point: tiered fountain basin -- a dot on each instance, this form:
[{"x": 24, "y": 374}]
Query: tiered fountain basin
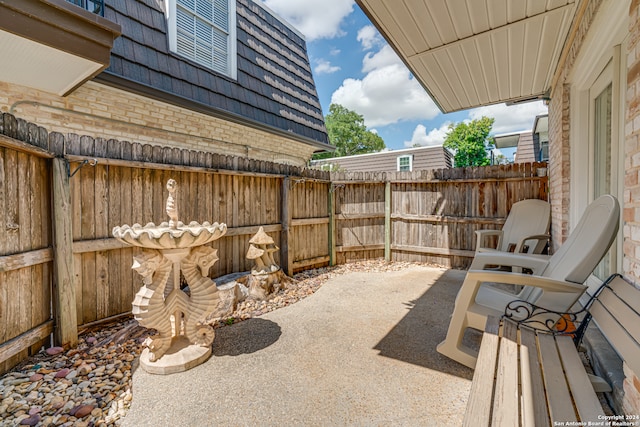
[{"x": 169, "y": 251}]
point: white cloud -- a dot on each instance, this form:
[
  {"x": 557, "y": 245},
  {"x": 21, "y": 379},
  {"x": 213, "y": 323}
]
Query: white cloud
[
  {"x": 325, "y": 67},
  {"x": 335, "y": 51},
  {"x": 385, "y": 96},
  {"x": 316, "y": 19},
  {"x": 434, "y": 137},
  {"x": 382, "y": 58},
  {"x": 512, "y": 118},
  {"x": 369, "y": 37}
]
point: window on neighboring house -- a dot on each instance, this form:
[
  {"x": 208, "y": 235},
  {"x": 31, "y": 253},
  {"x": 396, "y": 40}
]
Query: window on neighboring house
[
  {"x": 204, "y": 31},
  {"x": 544, "y": 151},
  {"x": 405, "y": 163}
]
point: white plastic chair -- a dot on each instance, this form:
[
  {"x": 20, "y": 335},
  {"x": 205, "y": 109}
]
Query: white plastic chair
[
  {"x": 556, "y": 283},
  {"x": 526, "y": 227}
]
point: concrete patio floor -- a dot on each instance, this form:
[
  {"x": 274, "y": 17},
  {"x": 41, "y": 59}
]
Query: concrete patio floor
[{"x": 360, "y": 351}]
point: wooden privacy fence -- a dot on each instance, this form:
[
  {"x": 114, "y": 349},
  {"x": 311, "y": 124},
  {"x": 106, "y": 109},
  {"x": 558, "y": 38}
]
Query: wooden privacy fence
[
  {"x": 61, "y": 195},
  {"x": 425, "y": 216}
]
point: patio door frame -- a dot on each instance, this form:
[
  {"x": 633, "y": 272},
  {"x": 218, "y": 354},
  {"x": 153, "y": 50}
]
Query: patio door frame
[{"x": 599, "y": 63}]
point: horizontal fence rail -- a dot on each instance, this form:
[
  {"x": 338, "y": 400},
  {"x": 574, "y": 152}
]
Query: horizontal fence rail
[{"x": 61, "y": 195}]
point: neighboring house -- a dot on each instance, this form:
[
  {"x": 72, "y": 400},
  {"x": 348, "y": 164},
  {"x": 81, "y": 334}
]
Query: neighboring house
[
  {"x": 583, "y": 58},
  {"x": 526, "y": 149},
  {"x": 215, "y": 75},
  {"x": 530, "y": 146},
  {"x": 407, "y": 160},
  {"x": 541, "y": 137}
]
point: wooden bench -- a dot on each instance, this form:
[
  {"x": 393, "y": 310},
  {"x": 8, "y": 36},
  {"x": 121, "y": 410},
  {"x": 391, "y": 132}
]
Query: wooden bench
[{"x": 529, "y": 375}]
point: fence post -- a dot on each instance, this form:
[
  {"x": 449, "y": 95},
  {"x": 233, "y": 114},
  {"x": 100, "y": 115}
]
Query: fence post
[
  {"x": 287, "y": 261},
  {"x": 332, "y": 224},
  {"x": 387, "y": 220},
  {"x": 66, "y": 327}
]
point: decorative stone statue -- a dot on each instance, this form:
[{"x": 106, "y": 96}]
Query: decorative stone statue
[
  {"x": 266, "y": 276},
  {"x": 169, "y": 250},
  {"x": 172, "y": 209}
]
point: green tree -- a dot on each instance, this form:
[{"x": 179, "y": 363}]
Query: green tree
[
  {"x": 500, "y": 159},
  {"x": 470, "y": 142},
  {"x": 348, "y": 133}
]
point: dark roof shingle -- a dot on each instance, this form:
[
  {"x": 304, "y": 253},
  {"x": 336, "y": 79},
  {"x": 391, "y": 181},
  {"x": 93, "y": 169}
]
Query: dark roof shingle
[{"x": 274, "y": 83}]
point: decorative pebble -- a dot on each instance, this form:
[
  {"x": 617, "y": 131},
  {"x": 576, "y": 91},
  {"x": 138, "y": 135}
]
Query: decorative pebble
[
  {"x": 36, "y": 377},
  {"x": 81, "y": 411},
  {"x": 84, "y": 369},
  {"x": 52, "y": 351},
  {"x": 62, "y": 373},
  {"x": 57, "y": 402},
  {"x": 31, "y": 421}
]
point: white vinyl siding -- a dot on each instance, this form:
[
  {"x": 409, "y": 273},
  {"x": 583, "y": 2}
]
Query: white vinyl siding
[{"x": 204, "y": 31}]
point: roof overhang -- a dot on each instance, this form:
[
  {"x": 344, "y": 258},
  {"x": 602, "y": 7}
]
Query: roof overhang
[
  {"x": 541, "y": 124},
  {"x": 470, "y": 53},
  {"x": 506, "y": 141},
  {"x": 53, "y": 45}
]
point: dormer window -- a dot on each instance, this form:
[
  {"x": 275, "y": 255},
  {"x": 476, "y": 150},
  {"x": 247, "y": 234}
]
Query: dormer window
[{"x": 204, "y": 31}]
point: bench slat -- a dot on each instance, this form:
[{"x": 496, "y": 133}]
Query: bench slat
[
  {"x": 534, "y": 404},
  {"x": 585, "y": 399},
  {"x": 617, "y": 307},
  {"x": 506, "y": 401},
  {"x": 627, "y": 292},
  {"x": 478, "y": 411},
  {"x": 559, "y": 399},
  {"x": 626, "y": 347}
]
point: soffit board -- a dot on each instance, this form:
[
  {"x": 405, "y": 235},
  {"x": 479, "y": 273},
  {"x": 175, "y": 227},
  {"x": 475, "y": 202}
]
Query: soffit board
[{"x": 469, "y": 53}]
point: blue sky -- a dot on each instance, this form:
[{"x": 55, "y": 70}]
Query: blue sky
[{"x": 354, "y": 66}]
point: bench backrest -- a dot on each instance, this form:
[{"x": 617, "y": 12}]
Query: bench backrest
[{"x": 617, "y": 314}]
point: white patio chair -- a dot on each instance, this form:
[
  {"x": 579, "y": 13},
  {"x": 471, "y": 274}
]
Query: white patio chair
[
  {"x": 556, "y": 282},
  {"x": 525, "y": 229}
]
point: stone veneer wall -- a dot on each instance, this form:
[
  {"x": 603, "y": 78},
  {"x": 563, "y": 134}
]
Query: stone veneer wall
[
  {"x": 102, "y": 111},
  {"x": 631, "y": 201}
]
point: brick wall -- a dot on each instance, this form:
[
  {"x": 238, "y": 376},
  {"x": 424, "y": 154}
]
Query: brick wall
[
  {"x": 102, "y": 111},
  {"x": 560, "y": 131},
  {"x": 631, "y": 387},
  {"x": 559, "y": 164},
  {"x": 631, "y": 207},
  {"x": 632, "y": 152}
]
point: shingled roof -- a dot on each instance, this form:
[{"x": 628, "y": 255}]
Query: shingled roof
[{"x": 274, "y": 89}]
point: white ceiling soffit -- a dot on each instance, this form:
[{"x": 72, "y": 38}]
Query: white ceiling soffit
[
  {"x": 507, "y": 141},
  {"x": 469, "y": 53},
  {"x": 42, "y": 67}
]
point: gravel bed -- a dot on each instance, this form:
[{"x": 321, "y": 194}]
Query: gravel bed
[{"x": 90, "y": 385}]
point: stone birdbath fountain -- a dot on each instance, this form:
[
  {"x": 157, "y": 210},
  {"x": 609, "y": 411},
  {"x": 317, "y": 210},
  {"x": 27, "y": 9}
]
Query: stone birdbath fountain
[{"x": 170, "y": 251}]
